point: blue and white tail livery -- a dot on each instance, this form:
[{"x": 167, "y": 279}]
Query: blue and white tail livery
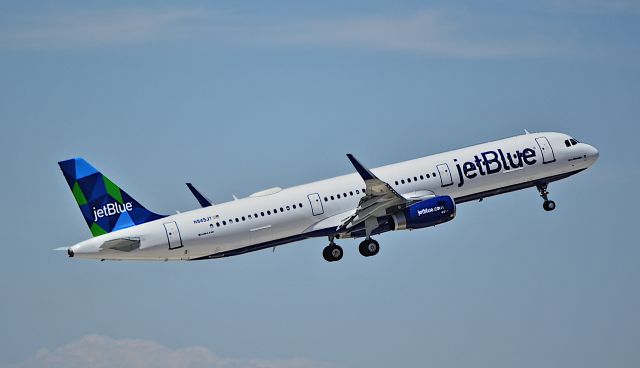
[{"x": 407, "y": 195}]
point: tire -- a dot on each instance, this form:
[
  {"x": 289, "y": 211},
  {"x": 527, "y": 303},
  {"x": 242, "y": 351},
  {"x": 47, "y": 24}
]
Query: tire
[
  {"x": 373, "y": 247},
  {"x": 369, "y": 248},
  {"x": 332, "y": 253},
  {"x": 549, "y": 205}
]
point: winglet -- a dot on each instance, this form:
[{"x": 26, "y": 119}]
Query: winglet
[
  {"x": 365, "y": 173},
  {"x": 204, "y": 202}
]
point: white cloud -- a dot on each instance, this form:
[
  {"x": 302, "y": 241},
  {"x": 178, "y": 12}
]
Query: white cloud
[
  {"x": 450, "y": 32},
  {"x": 94, "y": 351},
  {"x": 429, "y": 32},
  {"x": 629, "y": 7},
  {"x": 98, "y": 28}
]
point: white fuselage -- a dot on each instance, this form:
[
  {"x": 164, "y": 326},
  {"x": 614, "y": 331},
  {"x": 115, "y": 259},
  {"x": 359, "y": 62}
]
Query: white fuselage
[{"x": 276, "y": 217}]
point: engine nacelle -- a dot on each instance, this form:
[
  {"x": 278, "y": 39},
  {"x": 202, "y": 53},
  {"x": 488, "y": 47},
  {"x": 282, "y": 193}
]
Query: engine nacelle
[{"x": 430, "y": 212}]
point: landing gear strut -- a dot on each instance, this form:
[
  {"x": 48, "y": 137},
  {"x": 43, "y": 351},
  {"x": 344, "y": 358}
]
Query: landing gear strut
[
  {"x": 332, "y": 252},
  {"x": 547, "y": 205},
  {"x": 369, "y": 247}
]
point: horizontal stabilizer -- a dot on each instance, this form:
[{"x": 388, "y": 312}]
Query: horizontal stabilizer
[{"x": 122, "y": 244}]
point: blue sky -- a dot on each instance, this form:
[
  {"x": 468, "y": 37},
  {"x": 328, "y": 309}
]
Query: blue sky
[{"x": 238, "y": 97}]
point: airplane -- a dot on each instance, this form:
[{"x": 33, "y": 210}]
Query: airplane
[{"x": 408, "y": 195}]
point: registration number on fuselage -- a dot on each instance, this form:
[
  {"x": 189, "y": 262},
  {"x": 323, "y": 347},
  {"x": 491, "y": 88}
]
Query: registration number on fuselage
[{"x": 202, "y": 220}]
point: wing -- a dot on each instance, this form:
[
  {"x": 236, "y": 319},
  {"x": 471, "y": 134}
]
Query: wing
[
  {"x": 380, "y": 198},
  {"x": 204, "y": 201}
]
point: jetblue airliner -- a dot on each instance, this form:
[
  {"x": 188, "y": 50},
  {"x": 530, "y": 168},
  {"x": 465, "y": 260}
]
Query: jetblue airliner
[{"x": 408, "y": 195}]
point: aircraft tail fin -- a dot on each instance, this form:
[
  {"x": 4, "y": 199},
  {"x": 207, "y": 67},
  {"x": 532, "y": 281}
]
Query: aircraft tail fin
[{"x": 103, "y": 204}]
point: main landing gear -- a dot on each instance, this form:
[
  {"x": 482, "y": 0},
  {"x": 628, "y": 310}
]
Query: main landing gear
[
  {"x": 369, "y": 247},
  {"x": 334, "y": 252},
  {"x": 547, "y": 205}
]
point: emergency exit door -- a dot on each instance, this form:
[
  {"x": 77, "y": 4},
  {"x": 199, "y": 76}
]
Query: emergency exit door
[{"x": 316, "y": 204}]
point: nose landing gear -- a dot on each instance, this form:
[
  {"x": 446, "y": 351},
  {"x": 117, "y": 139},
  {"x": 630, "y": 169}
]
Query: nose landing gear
[{"x": 548, "y": 205}]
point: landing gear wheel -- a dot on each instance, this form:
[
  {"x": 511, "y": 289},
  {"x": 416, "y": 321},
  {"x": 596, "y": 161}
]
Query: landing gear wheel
[
  {"x": 549, "y": 205},
  {"x": 369, "y": 248},
  {"x": 332, "y": 253}
]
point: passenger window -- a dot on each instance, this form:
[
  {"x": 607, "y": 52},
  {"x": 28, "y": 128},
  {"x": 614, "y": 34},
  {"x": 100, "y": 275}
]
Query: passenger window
[
  {"x": 428, "y": 176},
  {"x": 224, "y": 223},
  {"x": 275, "y": 210},
  {"x": 402, "y": 181},
  {"x": 338, "y": 195},
  {"x": 434, "y": 174},
  {"x": 242, "y": 218},
  {"x": 237, "y": 220},
  {"x": 396, "y": 182},
  {"x": 288, "y": 208},
  {"x": 217, "y": 224},
  {"x": 325, "y": 199},
  {"x": 344, "y": 195},
  {"x": 300, "y": 204},
  {"x": 358, "y": 191},
  {"x": 415, "y": 178},
  {"x": 332, "y": 198},
  {"x": 408, "y": 180},
  {"x": 269, "y": 213},
  {"x": 421, "y": 177},
  {"x": 350, "y": 193},
  {"x": 262, "y": 214},
  {"x": 255, "y": 215},
  {"x": 281, "y": 209},
  {"x": 294, "y": 206}
]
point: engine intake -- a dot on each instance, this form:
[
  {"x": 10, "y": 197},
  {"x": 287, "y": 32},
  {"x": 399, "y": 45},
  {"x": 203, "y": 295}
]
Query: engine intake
[{"x": 430, "y": 212}]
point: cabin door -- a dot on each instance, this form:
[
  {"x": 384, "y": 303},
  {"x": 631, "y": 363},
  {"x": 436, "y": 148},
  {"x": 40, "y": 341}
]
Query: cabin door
[
  {"x": 316, "y": 204},
  {"x": 173, "y": 235},
  {"x": 445, "y": 175},
  {"x": 545, "y": 148}
]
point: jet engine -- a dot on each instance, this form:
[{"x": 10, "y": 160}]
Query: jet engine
[{"x": 430, "y": 212}]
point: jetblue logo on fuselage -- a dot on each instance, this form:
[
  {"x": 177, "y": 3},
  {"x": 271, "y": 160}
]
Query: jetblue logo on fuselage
[
  {"x": 491, "y": 162},
  {"x": 111, "y": 209}
]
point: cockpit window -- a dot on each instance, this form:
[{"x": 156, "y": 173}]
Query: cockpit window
[{"x": 570, "y": 142}]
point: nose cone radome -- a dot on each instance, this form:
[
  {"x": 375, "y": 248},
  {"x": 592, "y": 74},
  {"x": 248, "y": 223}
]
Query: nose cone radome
[{"x": 591, "y": 153}]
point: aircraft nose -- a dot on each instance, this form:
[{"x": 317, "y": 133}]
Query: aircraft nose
[{"x": 591, "y": 153}]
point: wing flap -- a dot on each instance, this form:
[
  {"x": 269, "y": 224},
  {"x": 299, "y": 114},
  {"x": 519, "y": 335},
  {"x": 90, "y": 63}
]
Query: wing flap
[{"x": 379, "y": 199}]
